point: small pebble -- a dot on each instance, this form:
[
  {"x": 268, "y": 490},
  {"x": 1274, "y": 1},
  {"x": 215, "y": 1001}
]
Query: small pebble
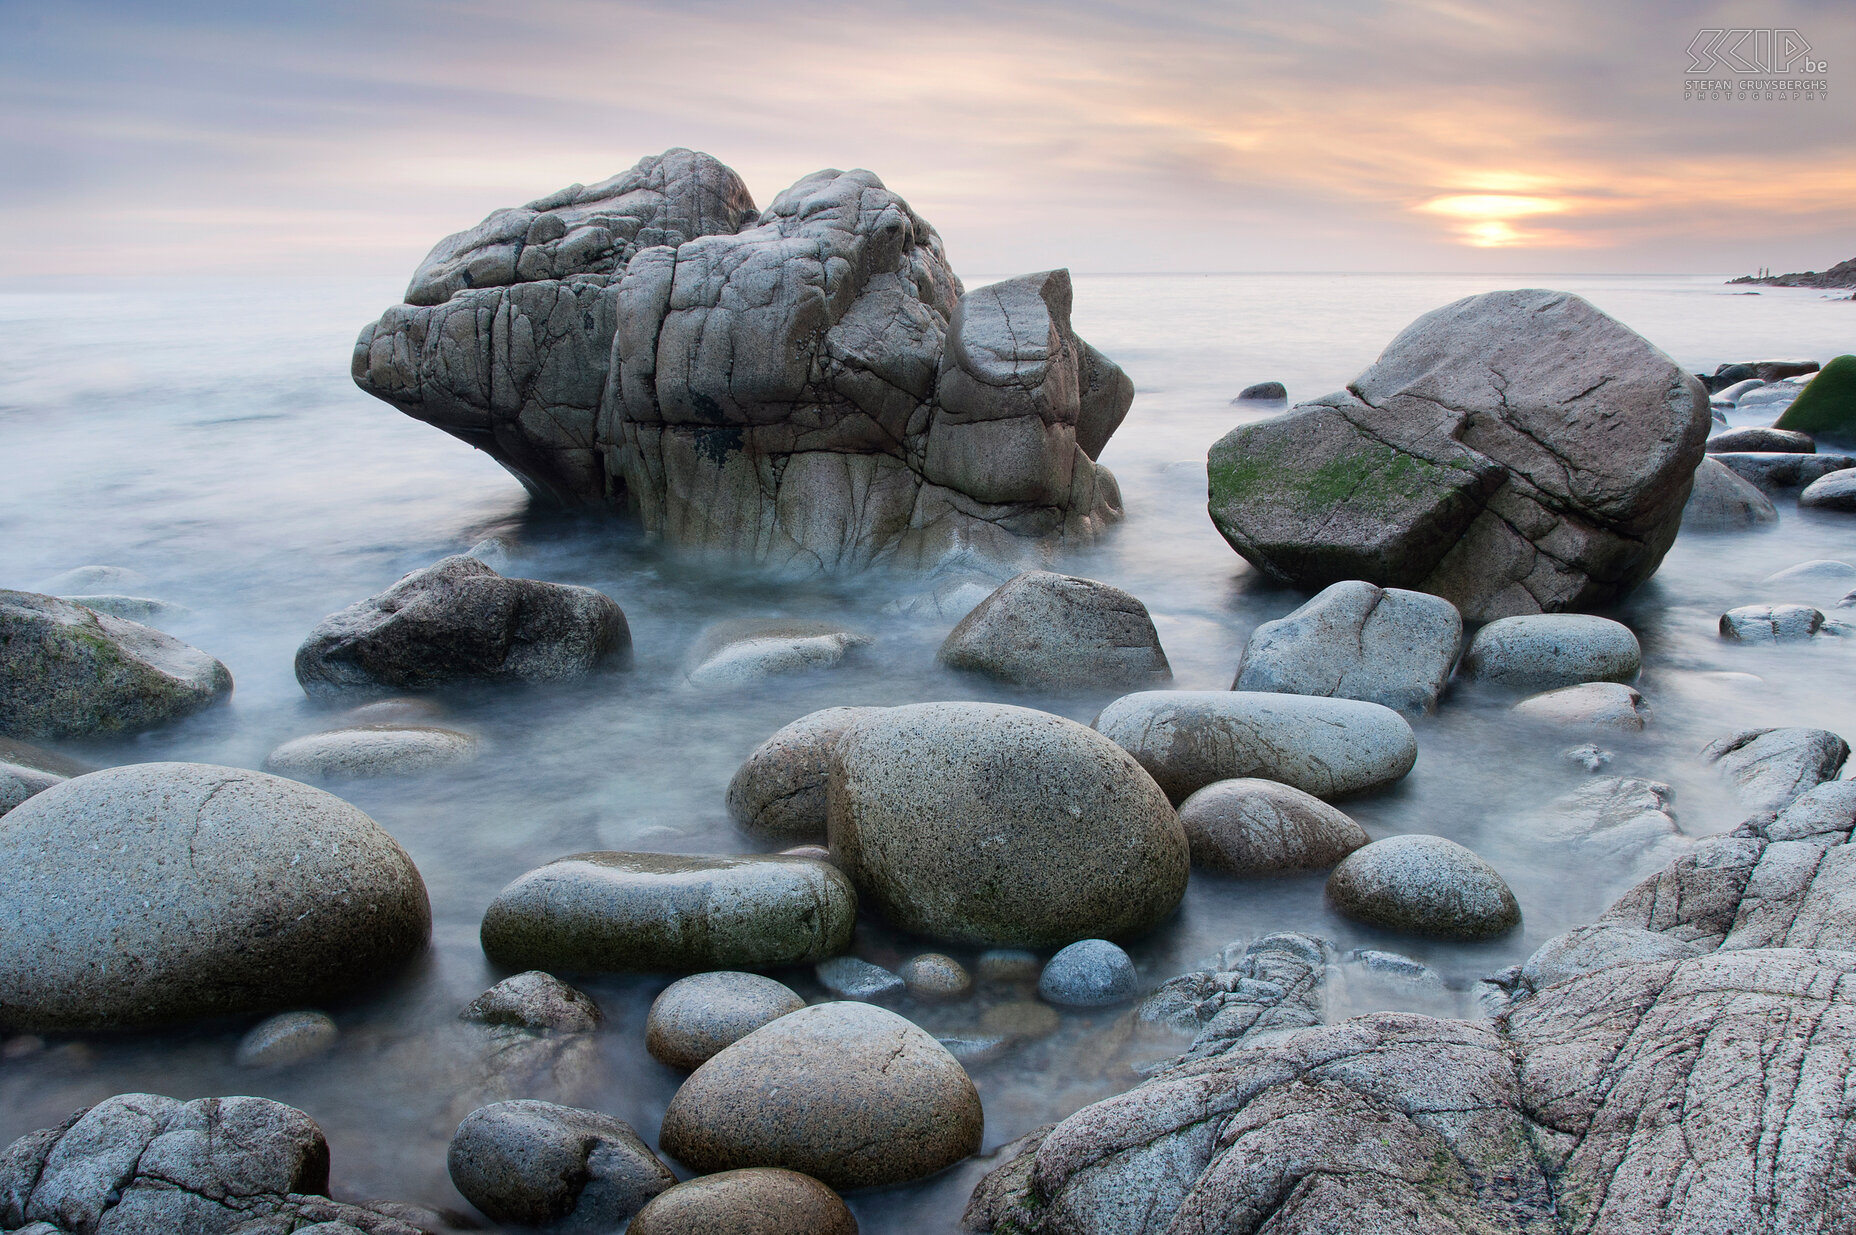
[
  {"x": 1091, "y": 973},
  {"x": 935, "y": 978},
  {"x": 287, "y": 1038},
  {"x": 850, "y": 978}
]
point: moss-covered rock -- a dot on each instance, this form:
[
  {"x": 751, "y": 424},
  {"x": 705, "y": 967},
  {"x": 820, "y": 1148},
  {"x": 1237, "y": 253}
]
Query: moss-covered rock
[{"x": 1827, "y": 406}]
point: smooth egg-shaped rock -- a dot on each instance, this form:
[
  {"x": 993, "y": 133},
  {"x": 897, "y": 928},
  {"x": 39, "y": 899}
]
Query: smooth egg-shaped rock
[
  {"x": 156, "y": 893},
  {"x": 760, "y": 1200},
  {"x": 371, "y": 750},
  {"x": 619, "y": 912},
  {"x": 1426, "y": 885},
  {"x": 697, "y": 1016},
  {"x": 1328, "y": 747},
  {"x": 1259, "y": 827},
  {"x": 847, "y": 1093},
  {"x": 1542, "y": 651}
]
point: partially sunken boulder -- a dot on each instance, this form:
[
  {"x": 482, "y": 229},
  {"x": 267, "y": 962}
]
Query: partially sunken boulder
[
  {"x": 1514, "y": 452},
  {"x": 1358, "y": 641},
  {"x": 456, "y": 621},
  {"x": 806, "y": 386},
  {"x": 1057, "y": 632}
]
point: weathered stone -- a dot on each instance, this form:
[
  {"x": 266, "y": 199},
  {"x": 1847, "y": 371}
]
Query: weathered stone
[
  {"x": 1358, "y": 641},
  {"x": 759, "y": 1200},
  {"x": 1328, "y": 747},
  {"x": 852, "y": 977},
  {"x": 287, "y": 1038},
  {"x": 1258, "y": 827},
  {"x": 845, "y": 1092},
  {"x": 1771, "y": 767},
  {"x": 371, "y": 750},
  {"x": 1426, "y": 885},
  {"x": 1723, "y": 502},
  {"x": 536, "y": 1163},
  {"x": 620, "y": 912},
  {"x": 66, "y": 671},
  {"x": 291, "y": 896},
  {"x": 1263, "y": 392},
  {"x": 697, "y": 1016},
  {"x": 805, "y": 387},
  {"x": 1773, "y": 624},
  {"x": 935, "y": 978},
  {"x": 1590, "y": 705},
  {"x": 1601, "y": 946},
  {"x": 1783, "y": 472},
  {"x": 1090, "y": 973},
  {"x": 741, "y": 653},
  {"x": 1623, "y": 821},
  {"x": 1514, "y": 452},
  {"x": 534, "y": 1000},
  {"x": 456, "y": 621},
  {"x": 1008, "y": 965},
  {"x": 1270, "y": 984},
  {"x": 19, "y": 782},
  {"x": 1546, "y": 651},
  {"x": 1757, "y": 440},
  {"x": 990, "y": 824},
  {"x": 1836, "y": 491},
  {"x": 1057, "y": 632},
  {"x": 779, "y": 791}
]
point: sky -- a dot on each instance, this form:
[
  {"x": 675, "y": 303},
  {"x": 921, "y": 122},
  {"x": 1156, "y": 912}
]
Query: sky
[{"x": 275, "y": 139}]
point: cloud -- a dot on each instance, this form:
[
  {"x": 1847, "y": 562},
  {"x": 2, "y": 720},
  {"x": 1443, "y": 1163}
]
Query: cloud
[{"x": 211, "y": 137}]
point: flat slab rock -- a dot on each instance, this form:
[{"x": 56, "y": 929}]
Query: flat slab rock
[{"x": 1678, "y": 1066}]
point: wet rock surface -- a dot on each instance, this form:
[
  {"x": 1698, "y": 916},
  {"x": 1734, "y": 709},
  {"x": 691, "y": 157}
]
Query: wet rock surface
[
  {"x": 1259, "y": 827},
  {"x": 1551, "y": 650},
  {"x": 731, "y": 655},
  {"x": 1722, "y": 501},
  {"x": 457, "y": 620},
  {"x": 1090, "y": 973},
  {"x": 624, "y": 912},
  {"x": 534, "y": 1000},
  {"x": 1514, "y": 452},
  {"x": 1426, "y": 885},
  {"x": 695, "y": 1017},
  {"x": 539, "y": 1163},
  {"x": 68, "y": 671},
  {"x": 1058, "y": 632},
  {"x": 806, "y": 386},
  {"x": 1189, "y": 739},
  {"x": 1358, "y": 641},
  {"x": 1774, "y": 624},
  {"x": 292, "y": 896},
  {"x": 1837, "y": 491}
]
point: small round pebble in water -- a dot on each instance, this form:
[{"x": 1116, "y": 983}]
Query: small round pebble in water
[
  {"x": 935, "y": 978},
  {"x": 697, "y": 1016},
  {"x": 1091, "y": 973},
  {"x": 1021, "y": 1019},
  {"x": 847, "y": 977},
  {"x": 761, "y": 1200},
  {"x": 289, "y": 1037},
  {"x": 1009, "y": 965}
]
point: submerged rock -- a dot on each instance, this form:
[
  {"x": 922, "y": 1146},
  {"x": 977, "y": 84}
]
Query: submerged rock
[
  {"x": 935, "y": 818},
  {"x": 1514, "y": 452},
  {"x": 1358, "y": 641},
  {"x": 536, "y": 1163},
  {"x": 1546, "y": 651},
  {"x": 844, "y": 1092},
  {"x": 1057, "y": 632},
  {"x": 760, "y": 1200},
  {"x": 744, "y": 652},
  {"x": 779, "y": 791},
  {"x": 144, "y": 609},
  {"x": 1773, "y": 624},
  {"x": 372, "y": 750},
  {"x": 1272, "y": 983},
  {"x": 627, "y": 912},
  {"x": 1626, "y": 821},
  {"x": 1263, "y": 392},
  {"x": 1590, "y": 705},
  {"x": 291, "y": 897},
  {"x": 1783, "y": 472},
  {"x": 1426, "y": 885},
  {"x": 1722, "y": 501},
  {"x": 934, "y": 977},
  {"x": 1328, "y": 747},
  {"x": 534, "y": 1000},
  {"x": 1258, "y": 827},
  {"x": 66, "y": 671},
  {"x": 694, "y": 1017},
  {"x": 1837, "y": 491},
  {"x": 1771, "y": 767},
  {"x": 456, "y": 621},
  {"x": 806, "y": 387},
  {"x": 1090, "y": 973},
  {"x": 290, "y": 1037}
]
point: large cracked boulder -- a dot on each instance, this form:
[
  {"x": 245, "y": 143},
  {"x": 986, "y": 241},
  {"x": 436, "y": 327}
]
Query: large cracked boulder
[
  {"x": 806, "y": 386},
  {"x": 1514, "y": 452}
]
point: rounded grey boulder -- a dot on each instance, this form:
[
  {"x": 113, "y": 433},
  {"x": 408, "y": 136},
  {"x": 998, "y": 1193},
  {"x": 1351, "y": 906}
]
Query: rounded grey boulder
[
  {"x": 619, "y": 912},
  {"x": 1358, "y": 641},
  {"x": 287, "y": 1038},
  {"x": 989, "y": 824},
  {"x": 371, "y": 750},
  {"x": 1548, "y": 650},
  {"x": 1772, "y": 623},
  {"x": 164, "y": 892},
  {"x": 847, "y": 1093},
  {"x": 1761, "y": 439},
  {"x": 1048, "y": 631},
  {"x": 534, "y": 1000},
  {"x": 697, "y": 1016},
  {"x": 1723, "y": 501},
  {"x": 1328, "y": 747},
  {"x": 760, "y": 1200},
  {"x": 66, "y": 670},
  {"x": 458, "y": 620},
  {"x": 1090, "y": 973},
  {"x": 1424, "y": 885},
  {"x": 1590, "y": 705},
  {"x": 1837, "y": 491},
  {"x": 779, "y": 791},
  {"x": 537, "y": 1163},
  {"x": 1246, "y": 826}
]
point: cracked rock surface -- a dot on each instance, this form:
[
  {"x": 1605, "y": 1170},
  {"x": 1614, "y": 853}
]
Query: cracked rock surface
[
  {"x": 1514, "y": 452},
  {"x": 807, "y": 386},
  {"x": 1682, "y": 1065}
]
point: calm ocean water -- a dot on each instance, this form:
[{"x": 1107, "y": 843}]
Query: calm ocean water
[{"x": 207, "y": 435}]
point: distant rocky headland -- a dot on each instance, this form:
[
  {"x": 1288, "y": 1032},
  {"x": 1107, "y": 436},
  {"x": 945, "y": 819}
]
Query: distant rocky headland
[{"x": 1843, "y": 274}]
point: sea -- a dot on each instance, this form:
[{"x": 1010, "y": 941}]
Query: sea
[{"x": 207, "y": 435}]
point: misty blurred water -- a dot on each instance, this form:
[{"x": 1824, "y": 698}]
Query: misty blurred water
[{"x": 207, "y": 435}]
